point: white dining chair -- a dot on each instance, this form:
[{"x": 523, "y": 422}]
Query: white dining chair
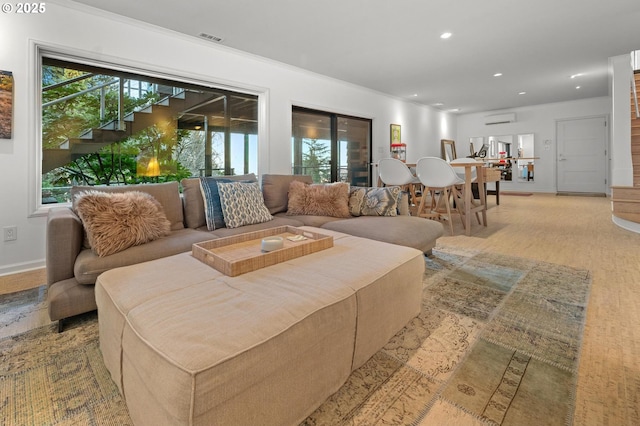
[
  {"x": 441, "y": 180},
  {"x": 393, "y": 172}
]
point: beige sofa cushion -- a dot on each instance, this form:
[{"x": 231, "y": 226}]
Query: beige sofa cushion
[
  {"x": 408, "y": 231},
  {"x": 275, "y": 189},
  {"x": 167, "y": 194},
  {"x": 274, "y": 223},
  {"x": 89, "y": 265},
  {"x": 194, "y": 214},
  {"x": 309, "y": 220}
]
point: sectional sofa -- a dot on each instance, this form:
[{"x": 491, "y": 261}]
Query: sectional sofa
[{"x": 73, "y": 265}]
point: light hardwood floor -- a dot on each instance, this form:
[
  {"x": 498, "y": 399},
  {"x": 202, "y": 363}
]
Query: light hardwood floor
[
  {"x": 578, "y": 231},
  {"x": 16, "y": 282}
]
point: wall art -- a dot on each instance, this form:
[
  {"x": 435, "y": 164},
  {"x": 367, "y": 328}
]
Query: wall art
[{"x": 6, "y": 104}]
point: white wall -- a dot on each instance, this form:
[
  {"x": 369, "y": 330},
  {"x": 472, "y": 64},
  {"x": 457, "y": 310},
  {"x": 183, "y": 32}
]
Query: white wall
[
  {"x": 539, "y": 120},
  {"x": 620, "y": 81},
  {"x": 109, "y": 38},
  {"x": 621, "y": 161}
]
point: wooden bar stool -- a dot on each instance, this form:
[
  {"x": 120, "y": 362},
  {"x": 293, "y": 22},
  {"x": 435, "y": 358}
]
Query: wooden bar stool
[{"x": 438, "y": 177}]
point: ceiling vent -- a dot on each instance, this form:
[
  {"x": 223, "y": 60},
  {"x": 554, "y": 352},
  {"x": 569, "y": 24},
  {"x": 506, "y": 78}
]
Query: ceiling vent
[
  {"x": 500, "y": 118},
  {"x": 211, "y": 37}
]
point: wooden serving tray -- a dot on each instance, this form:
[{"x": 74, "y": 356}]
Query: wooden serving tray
[{"x": 243, "y": 253}]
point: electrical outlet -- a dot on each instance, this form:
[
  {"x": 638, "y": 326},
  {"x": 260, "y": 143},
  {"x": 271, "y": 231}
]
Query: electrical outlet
[{"x": 10, "y": 233}]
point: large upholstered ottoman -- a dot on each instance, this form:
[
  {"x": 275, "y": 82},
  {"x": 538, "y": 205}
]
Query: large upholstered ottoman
[{"x": 188, "y": 345}]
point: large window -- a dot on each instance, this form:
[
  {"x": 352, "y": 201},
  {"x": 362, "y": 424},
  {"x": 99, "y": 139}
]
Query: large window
[
  {"x": 331, "y": 147},
  {"x": 102, "y": 126}
]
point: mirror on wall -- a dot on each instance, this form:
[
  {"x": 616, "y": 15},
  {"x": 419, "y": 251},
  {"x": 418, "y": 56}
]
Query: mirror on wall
[
  {"x": 477, "y": 147},
  {"x": 513, "y": 154},
  {"x": 500, "y": 146},
  {"x": 499, "y": 152},
  {"x": 525, "y": 157}
]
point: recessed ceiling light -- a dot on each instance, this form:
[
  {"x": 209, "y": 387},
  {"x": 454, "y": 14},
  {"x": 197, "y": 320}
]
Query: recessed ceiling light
[
  {"x": 498, "y": 74},
  {"x": 576, "y": 75},
  {"x": 522, "y": 93},
  {"x": 577, "y": 87},
  {"x": 445, "y": 35},
  {"x": 415, "y": 95},
  {"x": 438, "y": 104},
  {"x": 454, "y": 110}
]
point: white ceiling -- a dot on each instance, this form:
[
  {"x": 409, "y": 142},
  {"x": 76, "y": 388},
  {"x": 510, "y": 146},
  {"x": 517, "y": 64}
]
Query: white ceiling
[{"x": 393, "y": 46}]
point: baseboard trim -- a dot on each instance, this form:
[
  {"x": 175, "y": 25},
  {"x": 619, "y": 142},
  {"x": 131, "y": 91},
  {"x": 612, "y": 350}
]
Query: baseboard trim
[
  {"x": 581, "y": 194},
  {"x": 625, "y": 224},
  {"x": 18, "y": 268}
]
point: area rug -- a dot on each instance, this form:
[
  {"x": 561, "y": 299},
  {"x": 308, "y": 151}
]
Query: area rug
[{"x": 497, "y": 342}]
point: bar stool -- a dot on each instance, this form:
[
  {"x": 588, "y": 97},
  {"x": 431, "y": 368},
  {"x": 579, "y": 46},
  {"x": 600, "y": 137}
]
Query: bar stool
[
  {"x": 474, "y": 177},
  {"x": 394, "y": 172},
  {"x": 437, "y": 176}
]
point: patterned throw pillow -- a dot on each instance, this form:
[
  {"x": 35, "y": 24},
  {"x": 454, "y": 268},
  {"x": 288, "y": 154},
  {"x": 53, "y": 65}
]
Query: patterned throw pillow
[
  {"x": 116, "y": 221},
  {"x": 374, "y": 201},
  {"x": 242, "y": 204},
  {"x": 194, "y": 200},
  {"x": 211, "y": 197}
]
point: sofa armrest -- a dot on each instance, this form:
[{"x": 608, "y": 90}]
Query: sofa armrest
[{"x": 64, "y": 242}]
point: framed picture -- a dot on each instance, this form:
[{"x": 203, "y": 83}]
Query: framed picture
[
  {"x": 448, "y": 149},
  {"x": 6, "y": 104},
  {"x": 396, "y": 136}
]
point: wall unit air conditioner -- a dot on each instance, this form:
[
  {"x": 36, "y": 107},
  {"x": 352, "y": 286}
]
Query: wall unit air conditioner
[{"x": 509, "y": 117}]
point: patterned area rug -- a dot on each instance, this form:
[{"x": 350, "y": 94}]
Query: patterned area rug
[{"x": 497, "y": 342}]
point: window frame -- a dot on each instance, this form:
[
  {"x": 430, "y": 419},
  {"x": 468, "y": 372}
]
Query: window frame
[
  {"x": 39, "y": 49},
  {"x": 334, "y": 140}
]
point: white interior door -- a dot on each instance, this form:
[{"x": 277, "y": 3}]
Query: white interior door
[{"x": 582, "y": 155}]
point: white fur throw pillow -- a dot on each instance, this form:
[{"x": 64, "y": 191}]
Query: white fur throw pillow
[{"x": 116, "y": 221}]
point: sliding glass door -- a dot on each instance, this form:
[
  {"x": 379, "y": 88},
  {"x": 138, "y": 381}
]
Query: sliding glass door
[{"x": 331, "y": 147}]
